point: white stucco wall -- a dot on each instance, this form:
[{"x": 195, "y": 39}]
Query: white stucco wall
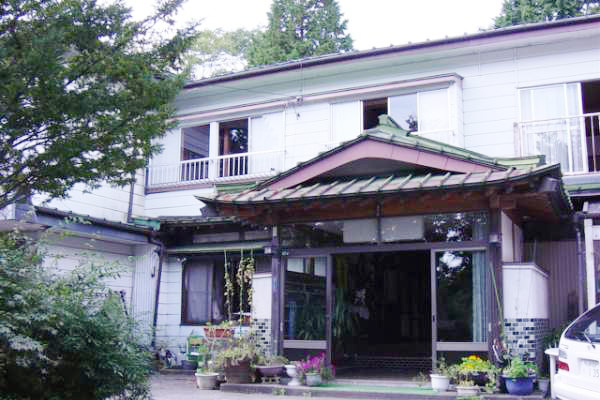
[
  {"x": 525, "y": 291},
  {"x": 261, "y": 296}
]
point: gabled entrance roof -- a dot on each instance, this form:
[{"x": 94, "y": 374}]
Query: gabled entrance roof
[{"x": 401, "y": 150}]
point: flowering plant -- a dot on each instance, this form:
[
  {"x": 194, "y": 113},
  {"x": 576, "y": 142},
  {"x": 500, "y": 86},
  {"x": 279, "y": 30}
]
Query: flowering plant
[
  {"x": 315, "y": 365},
  {"x": 472, "y": 366}
]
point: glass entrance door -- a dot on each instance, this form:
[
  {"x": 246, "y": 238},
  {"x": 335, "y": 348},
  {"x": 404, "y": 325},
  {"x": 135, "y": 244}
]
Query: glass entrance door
[
  {"x": 306, "y": 316},
  {"x": 460, "y": 309}
]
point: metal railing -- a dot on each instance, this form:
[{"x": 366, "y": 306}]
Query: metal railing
[
  {"x": 227, "y": 168},
  {"x": 572, "y": 141}
]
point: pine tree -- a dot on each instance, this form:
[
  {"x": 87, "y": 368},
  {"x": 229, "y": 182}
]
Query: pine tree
[
  {"x": 298, "y": 29},
  {"x": 516, "y": 12}
]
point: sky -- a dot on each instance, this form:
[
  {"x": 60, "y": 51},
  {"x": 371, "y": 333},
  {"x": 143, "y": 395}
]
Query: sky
[{"x": 371, "y": 23}]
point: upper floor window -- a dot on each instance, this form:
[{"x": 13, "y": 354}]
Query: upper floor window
[
  {"x": 423, "y": 111},
  {"x": 195, "y": 142},
  {"x": 561, "y": 123},
  {"x": 233, "y": 137}
]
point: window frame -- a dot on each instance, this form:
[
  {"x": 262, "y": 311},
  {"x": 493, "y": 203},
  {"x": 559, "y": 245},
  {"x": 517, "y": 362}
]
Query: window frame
[{"x": 184, "y": 302}]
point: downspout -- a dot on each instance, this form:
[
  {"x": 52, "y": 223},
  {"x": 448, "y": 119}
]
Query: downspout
[
  {"x": 580, "y": 263},
  {"x": 130, "y": 207},
  {"x": 161, "y": 256}
]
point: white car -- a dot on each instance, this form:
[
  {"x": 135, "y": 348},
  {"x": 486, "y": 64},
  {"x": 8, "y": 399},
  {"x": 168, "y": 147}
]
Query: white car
[{"x": 578, "y": 369}]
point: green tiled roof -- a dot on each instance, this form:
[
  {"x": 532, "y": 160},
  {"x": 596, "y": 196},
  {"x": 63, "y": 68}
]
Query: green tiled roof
[
  {"x": 389, "y": 131},
  {"x": 383, "y": 185}
]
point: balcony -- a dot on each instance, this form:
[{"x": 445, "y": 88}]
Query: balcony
[
  {"x": 573, "y": 141},
  {"x": 228, "y": 168}
]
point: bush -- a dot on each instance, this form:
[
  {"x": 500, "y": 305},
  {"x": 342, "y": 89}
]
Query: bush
[{"x": 64, "y": 336}]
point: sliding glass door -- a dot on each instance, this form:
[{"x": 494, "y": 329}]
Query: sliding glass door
[
  {"x": 306, "y": 326},
  {"x": 460, "y": 301}
]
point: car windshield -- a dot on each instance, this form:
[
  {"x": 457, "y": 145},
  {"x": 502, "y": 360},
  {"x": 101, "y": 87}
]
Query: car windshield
[{"x": 586, "y": 328}]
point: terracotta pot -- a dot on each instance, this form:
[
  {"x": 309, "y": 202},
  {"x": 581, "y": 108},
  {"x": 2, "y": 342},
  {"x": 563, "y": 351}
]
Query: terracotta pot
[
  {"x": 218, "y": 332},
  {"x": 239, "y": 373}
]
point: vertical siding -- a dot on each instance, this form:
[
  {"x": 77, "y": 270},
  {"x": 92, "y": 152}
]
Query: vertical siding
[
  {"x": 144, "y": 286},
  {"x": 560, "y": 260},
  {"x": 66, "y": 255}
]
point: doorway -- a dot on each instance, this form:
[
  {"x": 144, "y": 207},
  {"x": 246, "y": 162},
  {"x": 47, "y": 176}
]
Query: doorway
[{"x": 381, "y": 316}]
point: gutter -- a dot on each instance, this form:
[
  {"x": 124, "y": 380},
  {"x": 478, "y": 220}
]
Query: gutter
[{"x": 334, "y": 58}]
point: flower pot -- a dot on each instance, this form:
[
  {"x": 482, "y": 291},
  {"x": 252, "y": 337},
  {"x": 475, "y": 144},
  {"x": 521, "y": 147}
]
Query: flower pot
[
  {"x": 439, "y": 383},
  {"x": 206, "y": 380},
  {"x": 269, "y": 370},
  {"x": 519, "y": 386},
  {"x": 313, "y": 379},
  {"x": 543, "y": 385},
  {"x": 290, "y": 369},
  {"x": 239, "y": 373},
  {"x": 211, "y": 332},
  {"x": 467, "y": 390},
  {"x": 478, "y": 378}
]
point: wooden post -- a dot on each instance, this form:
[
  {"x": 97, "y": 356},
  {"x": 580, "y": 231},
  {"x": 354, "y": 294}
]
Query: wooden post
[{"x": 329, "y": 309}]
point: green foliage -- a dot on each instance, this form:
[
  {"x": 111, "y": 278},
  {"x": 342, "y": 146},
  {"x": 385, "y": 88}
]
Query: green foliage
[
  {"x": 238, "y": 350},
  {"x": 519, "y": 369},
  {"x": 298, "y": 29},
  {"x": 83, "y": 91},
  {"x": 217, "y": 52},
  {"x": 64, "y": 337},
  {"x": 516, "y": 12}
]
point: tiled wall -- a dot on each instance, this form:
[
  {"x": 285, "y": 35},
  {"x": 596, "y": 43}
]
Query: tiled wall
[
  {"x": 525, "y": 335},
  {"x": 262, "y": 329}
]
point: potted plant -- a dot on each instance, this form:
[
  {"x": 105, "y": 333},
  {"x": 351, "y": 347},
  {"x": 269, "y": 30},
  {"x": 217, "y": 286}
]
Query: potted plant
[
  {"x": 236, "y": 359},
  {"x": 313, "y": 370},
  {"x": 440, "y": 377},
  {"x": 543, "y": 384},
  {"x": 220, "y": 331},
  {"x": 475, "y": 369},
  {"x": 206, "y": 377},
  {"x": 519, "y": 377},
  {"x": 270, "y": 366}
]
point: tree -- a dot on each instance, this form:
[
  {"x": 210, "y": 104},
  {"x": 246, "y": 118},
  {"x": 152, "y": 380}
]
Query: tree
[
  {"x": 65, "y": 336},
  {"x": 83, "y": 91},
  {"x": 298, "y": 29},
  {"x": 516, "y": 12},
  {"x": 218, "y": 52}
]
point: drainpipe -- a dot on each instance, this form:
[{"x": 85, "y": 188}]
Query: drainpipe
[
  {"x": 161, "y": 256},
  {"x": 580, "y": 265},
  {"x": 130, "y": 207}
]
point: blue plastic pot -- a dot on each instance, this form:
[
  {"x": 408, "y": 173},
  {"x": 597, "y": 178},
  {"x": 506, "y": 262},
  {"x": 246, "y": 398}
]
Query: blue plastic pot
[{"x": 519, "y": 386}]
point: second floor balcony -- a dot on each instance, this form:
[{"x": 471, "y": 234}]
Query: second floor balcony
[
  {"x": 572, "y": 141},
  {"x": 227, "y": 168}
]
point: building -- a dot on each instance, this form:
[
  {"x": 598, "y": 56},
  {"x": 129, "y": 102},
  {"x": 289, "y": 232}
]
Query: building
[{"x": 437, "y": 192}]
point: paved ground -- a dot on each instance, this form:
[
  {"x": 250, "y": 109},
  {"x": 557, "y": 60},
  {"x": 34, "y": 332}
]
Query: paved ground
[{"x": 184, "y": 388}]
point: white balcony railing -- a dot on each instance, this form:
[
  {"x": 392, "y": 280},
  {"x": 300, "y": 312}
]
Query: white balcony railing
[
  {"x": 571, "y": 141},
  {"x": 228, "y": 168}
]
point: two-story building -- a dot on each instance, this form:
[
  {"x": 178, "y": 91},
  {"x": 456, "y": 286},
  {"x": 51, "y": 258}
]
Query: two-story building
[{"x": 435, "y": 193}]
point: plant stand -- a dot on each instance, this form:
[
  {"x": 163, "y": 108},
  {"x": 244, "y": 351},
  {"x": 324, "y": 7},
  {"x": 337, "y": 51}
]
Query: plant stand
[{"x": 290, "y": 369}]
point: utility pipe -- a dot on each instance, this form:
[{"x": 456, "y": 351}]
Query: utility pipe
[{"x": 161, "y": 255}]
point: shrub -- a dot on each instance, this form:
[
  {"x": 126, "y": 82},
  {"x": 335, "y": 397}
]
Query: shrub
[{"x": 64, "y": 336}]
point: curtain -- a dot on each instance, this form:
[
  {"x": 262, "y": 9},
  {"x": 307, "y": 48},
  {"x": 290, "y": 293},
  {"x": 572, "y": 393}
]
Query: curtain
[
  {"x": 197, "y": 289},
  {"x": 479, "y": 278}
]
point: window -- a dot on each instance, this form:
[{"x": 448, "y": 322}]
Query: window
[
  {"x": 233, "y": 139},
  {"x": 424, "y": 111},
  {"x": 194, "y": 146},
  {"x": 203, "y": 288},
  {"x": 202, "y": 299},
  {"x": 561, "y": 122},
  {"x": 587, "y": 327}
]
